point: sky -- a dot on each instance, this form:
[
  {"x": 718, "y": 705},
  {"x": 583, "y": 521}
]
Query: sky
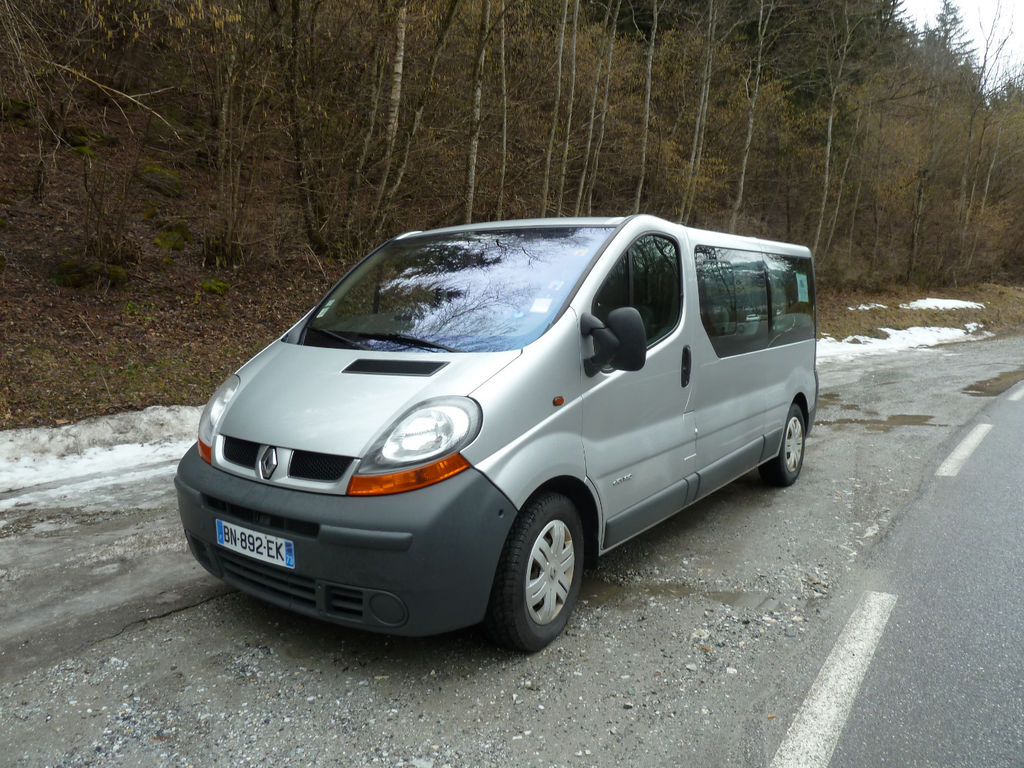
[
  {"x": 978, "y": 17},
  {"x": 128, "y": 460}
]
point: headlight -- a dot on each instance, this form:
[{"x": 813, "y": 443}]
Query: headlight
[
  {"x": 212, "y": 414},
  {"x": 421, "y": 448}
]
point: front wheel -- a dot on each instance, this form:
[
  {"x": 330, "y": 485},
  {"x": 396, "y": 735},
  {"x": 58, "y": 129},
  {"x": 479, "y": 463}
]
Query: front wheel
[
  {"x": 538, "y": 576},
  {"x": 784, "y": 469}
]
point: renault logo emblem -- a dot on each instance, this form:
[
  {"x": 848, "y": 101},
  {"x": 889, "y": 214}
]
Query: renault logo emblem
[{"x": 268, "y": 462}]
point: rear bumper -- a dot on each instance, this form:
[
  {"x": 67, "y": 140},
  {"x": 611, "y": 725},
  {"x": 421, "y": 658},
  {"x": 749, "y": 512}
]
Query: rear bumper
[{"x": 417, "y": 563}]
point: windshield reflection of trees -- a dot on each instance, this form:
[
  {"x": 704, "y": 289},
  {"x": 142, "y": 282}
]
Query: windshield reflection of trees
[{"x": 479, "y": 283}]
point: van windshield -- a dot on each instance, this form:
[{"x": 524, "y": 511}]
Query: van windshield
[{"x": 471, "y": 291}]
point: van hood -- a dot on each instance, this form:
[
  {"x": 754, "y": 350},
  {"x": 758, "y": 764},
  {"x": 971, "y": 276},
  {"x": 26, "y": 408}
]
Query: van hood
[{"x": 337, "y": 401}]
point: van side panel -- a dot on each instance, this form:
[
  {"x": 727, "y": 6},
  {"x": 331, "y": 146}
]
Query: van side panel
[
  {"x": 755, "y": 351},
  {"x": 650, "y": 512},
  {"x": 794, "y": 375},
  {"x": 526, "y": 439},
  {"x": 729, "y": 467},
  {"x": 638, "y": 430},
  {"x": 729, "y": 401}
]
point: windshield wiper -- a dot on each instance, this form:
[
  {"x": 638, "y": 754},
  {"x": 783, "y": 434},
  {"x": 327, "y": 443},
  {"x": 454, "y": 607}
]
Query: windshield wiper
[
  {"x": 345, "y": 339},
  {"x": 401, "y": 338}
]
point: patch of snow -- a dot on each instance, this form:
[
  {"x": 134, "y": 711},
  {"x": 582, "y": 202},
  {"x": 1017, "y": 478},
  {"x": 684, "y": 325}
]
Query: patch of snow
[
  {"x": 895, "y": 341},
  {"x": 863, "y": 307},
  {"x": 942, "y": 304},
  {"x": 123, "y": 443}
]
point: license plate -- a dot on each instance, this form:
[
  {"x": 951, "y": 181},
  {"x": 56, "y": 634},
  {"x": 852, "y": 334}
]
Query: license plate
[{"x": 259, "y": 546}]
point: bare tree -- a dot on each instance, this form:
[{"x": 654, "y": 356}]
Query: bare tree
[
  {"x": 381, "y": 211},
  {"x": 752, "y": 90},
  {"x": 838, "y": 27},
  {"x": 608, "y": 39},
  {"x": 504, "y": 116},
  {"x": 475, "y": 119},
  {"x": 693, "y": 170},
  {"x": 373, "y": 103},
  {"x": 569, "y": 107},
  {"x": 971, "y": 173},
  {"x": 645, "y": 128},
  {"x": 312, "y": 216},
  {"x": 603, "y": 117},
  {"x": 394, "y": 103},
  {"x": 555, "y": 113}
]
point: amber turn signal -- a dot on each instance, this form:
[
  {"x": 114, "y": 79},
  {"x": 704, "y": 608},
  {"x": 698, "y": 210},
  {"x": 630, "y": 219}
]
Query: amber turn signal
[
  {"x": 408, "y": 480},
  {"x": 205, "y": 452}
]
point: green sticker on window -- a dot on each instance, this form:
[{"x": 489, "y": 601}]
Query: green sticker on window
[{"x": 801, "y": 287}]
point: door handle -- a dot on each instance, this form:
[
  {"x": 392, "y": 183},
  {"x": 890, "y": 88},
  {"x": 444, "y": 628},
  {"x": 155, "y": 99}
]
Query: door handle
[{"x": 686, "y": 366}]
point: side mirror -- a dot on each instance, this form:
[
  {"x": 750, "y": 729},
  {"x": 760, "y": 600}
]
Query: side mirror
[{"x": 620, "y": 343}]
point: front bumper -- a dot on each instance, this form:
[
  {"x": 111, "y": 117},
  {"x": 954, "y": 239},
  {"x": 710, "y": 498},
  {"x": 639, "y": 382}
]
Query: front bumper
[{"x": 417, "y": 563}]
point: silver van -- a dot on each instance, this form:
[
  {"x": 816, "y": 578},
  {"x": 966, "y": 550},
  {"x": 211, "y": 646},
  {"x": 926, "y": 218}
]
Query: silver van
[{"x": 473, "y": 414}]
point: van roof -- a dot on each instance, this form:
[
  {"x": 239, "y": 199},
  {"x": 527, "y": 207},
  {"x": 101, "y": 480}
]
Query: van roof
[
  {"x": 696, "y": 236},
  {"x": 575, "y": 221}
]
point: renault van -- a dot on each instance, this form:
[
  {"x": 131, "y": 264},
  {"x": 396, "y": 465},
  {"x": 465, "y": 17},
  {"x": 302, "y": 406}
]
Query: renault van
[{"x": 472, "y": 415}]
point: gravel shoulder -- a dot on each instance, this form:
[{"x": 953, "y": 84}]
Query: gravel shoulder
[{"x": 693, "y": 644}]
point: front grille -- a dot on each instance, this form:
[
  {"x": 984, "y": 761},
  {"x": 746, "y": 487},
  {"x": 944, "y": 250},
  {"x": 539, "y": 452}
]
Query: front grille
[
  {"x": 265, "y": 519},
  {"x": 299, "y": 591},
  {"x": 324, "y": 467},
  {"x": 305, "y": 465},
  {"x": 243, "y": 452}
]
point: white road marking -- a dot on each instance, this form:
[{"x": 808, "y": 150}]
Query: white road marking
[
  {"x": 955, "y": 461},
  {"x": 815, "y": 731},
  {"x": 1017, "y": 394}
]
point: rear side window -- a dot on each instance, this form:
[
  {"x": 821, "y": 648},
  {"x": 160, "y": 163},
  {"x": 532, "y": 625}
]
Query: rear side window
[
  {"x": 792, "y": 298},
  {"x": 645, "y": 277},
  {"x": 733, "y": 293}
]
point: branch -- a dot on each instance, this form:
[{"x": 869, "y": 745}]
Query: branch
[{"x": 110, "y": 91}]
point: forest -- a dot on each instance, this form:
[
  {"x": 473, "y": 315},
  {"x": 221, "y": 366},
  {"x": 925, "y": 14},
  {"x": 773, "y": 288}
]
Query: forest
[{"x": 250, "y": 128}]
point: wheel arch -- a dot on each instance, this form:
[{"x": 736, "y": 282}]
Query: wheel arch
[
  {"x": 578, "y": 493},
  {"x": 801, "y": 401}
]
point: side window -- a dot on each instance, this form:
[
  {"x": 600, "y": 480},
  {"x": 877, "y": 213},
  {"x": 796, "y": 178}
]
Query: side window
[
  {"x": 733, "y": 295},
  {"x": 716, "y": 286},
  {"x": 645, "y": 277},
  {"x": 792, "y": 298}
]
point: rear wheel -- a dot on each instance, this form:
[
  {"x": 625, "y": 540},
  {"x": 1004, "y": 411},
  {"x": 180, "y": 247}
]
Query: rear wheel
[
  {"x": 539, "y": 575},
  {"x": 784, "y": 469}
]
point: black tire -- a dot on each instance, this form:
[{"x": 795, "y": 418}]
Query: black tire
[
  {"x": 784, "y": 469},
  {"x": 549, "y": 524}
]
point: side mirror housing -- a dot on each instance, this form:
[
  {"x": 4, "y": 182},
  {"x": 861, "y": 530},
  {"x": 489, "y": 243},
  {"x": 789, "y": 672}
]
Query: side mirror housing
[{"x": 620, "y": 343}]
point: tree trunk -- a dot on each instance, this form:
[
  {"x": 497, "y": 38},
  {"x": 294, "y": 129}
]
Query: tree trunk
[
  {"x": 312, "y": 217},
  {"x": 475, "y": 120},
  {"x": 984, "y": 201},
  {"x": 546, "y": 185},
  {"x": 837, "y": 73},
  {"x": 421, "y": 103},
  {"x": 504, "y": 119},
  {"x": 394, "y": 103},
  {"x": 569, "y": 108},
  {"x": 364, "y": 153},
  {"x": 645, "y": 124},
  {"x": 915, "y": 236},
  {"x": 594, "y": 95},
  {"x": 700, "y": 124},
  {"x": 603, "y": 119},
  {"x": 753, "y": 89}
]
